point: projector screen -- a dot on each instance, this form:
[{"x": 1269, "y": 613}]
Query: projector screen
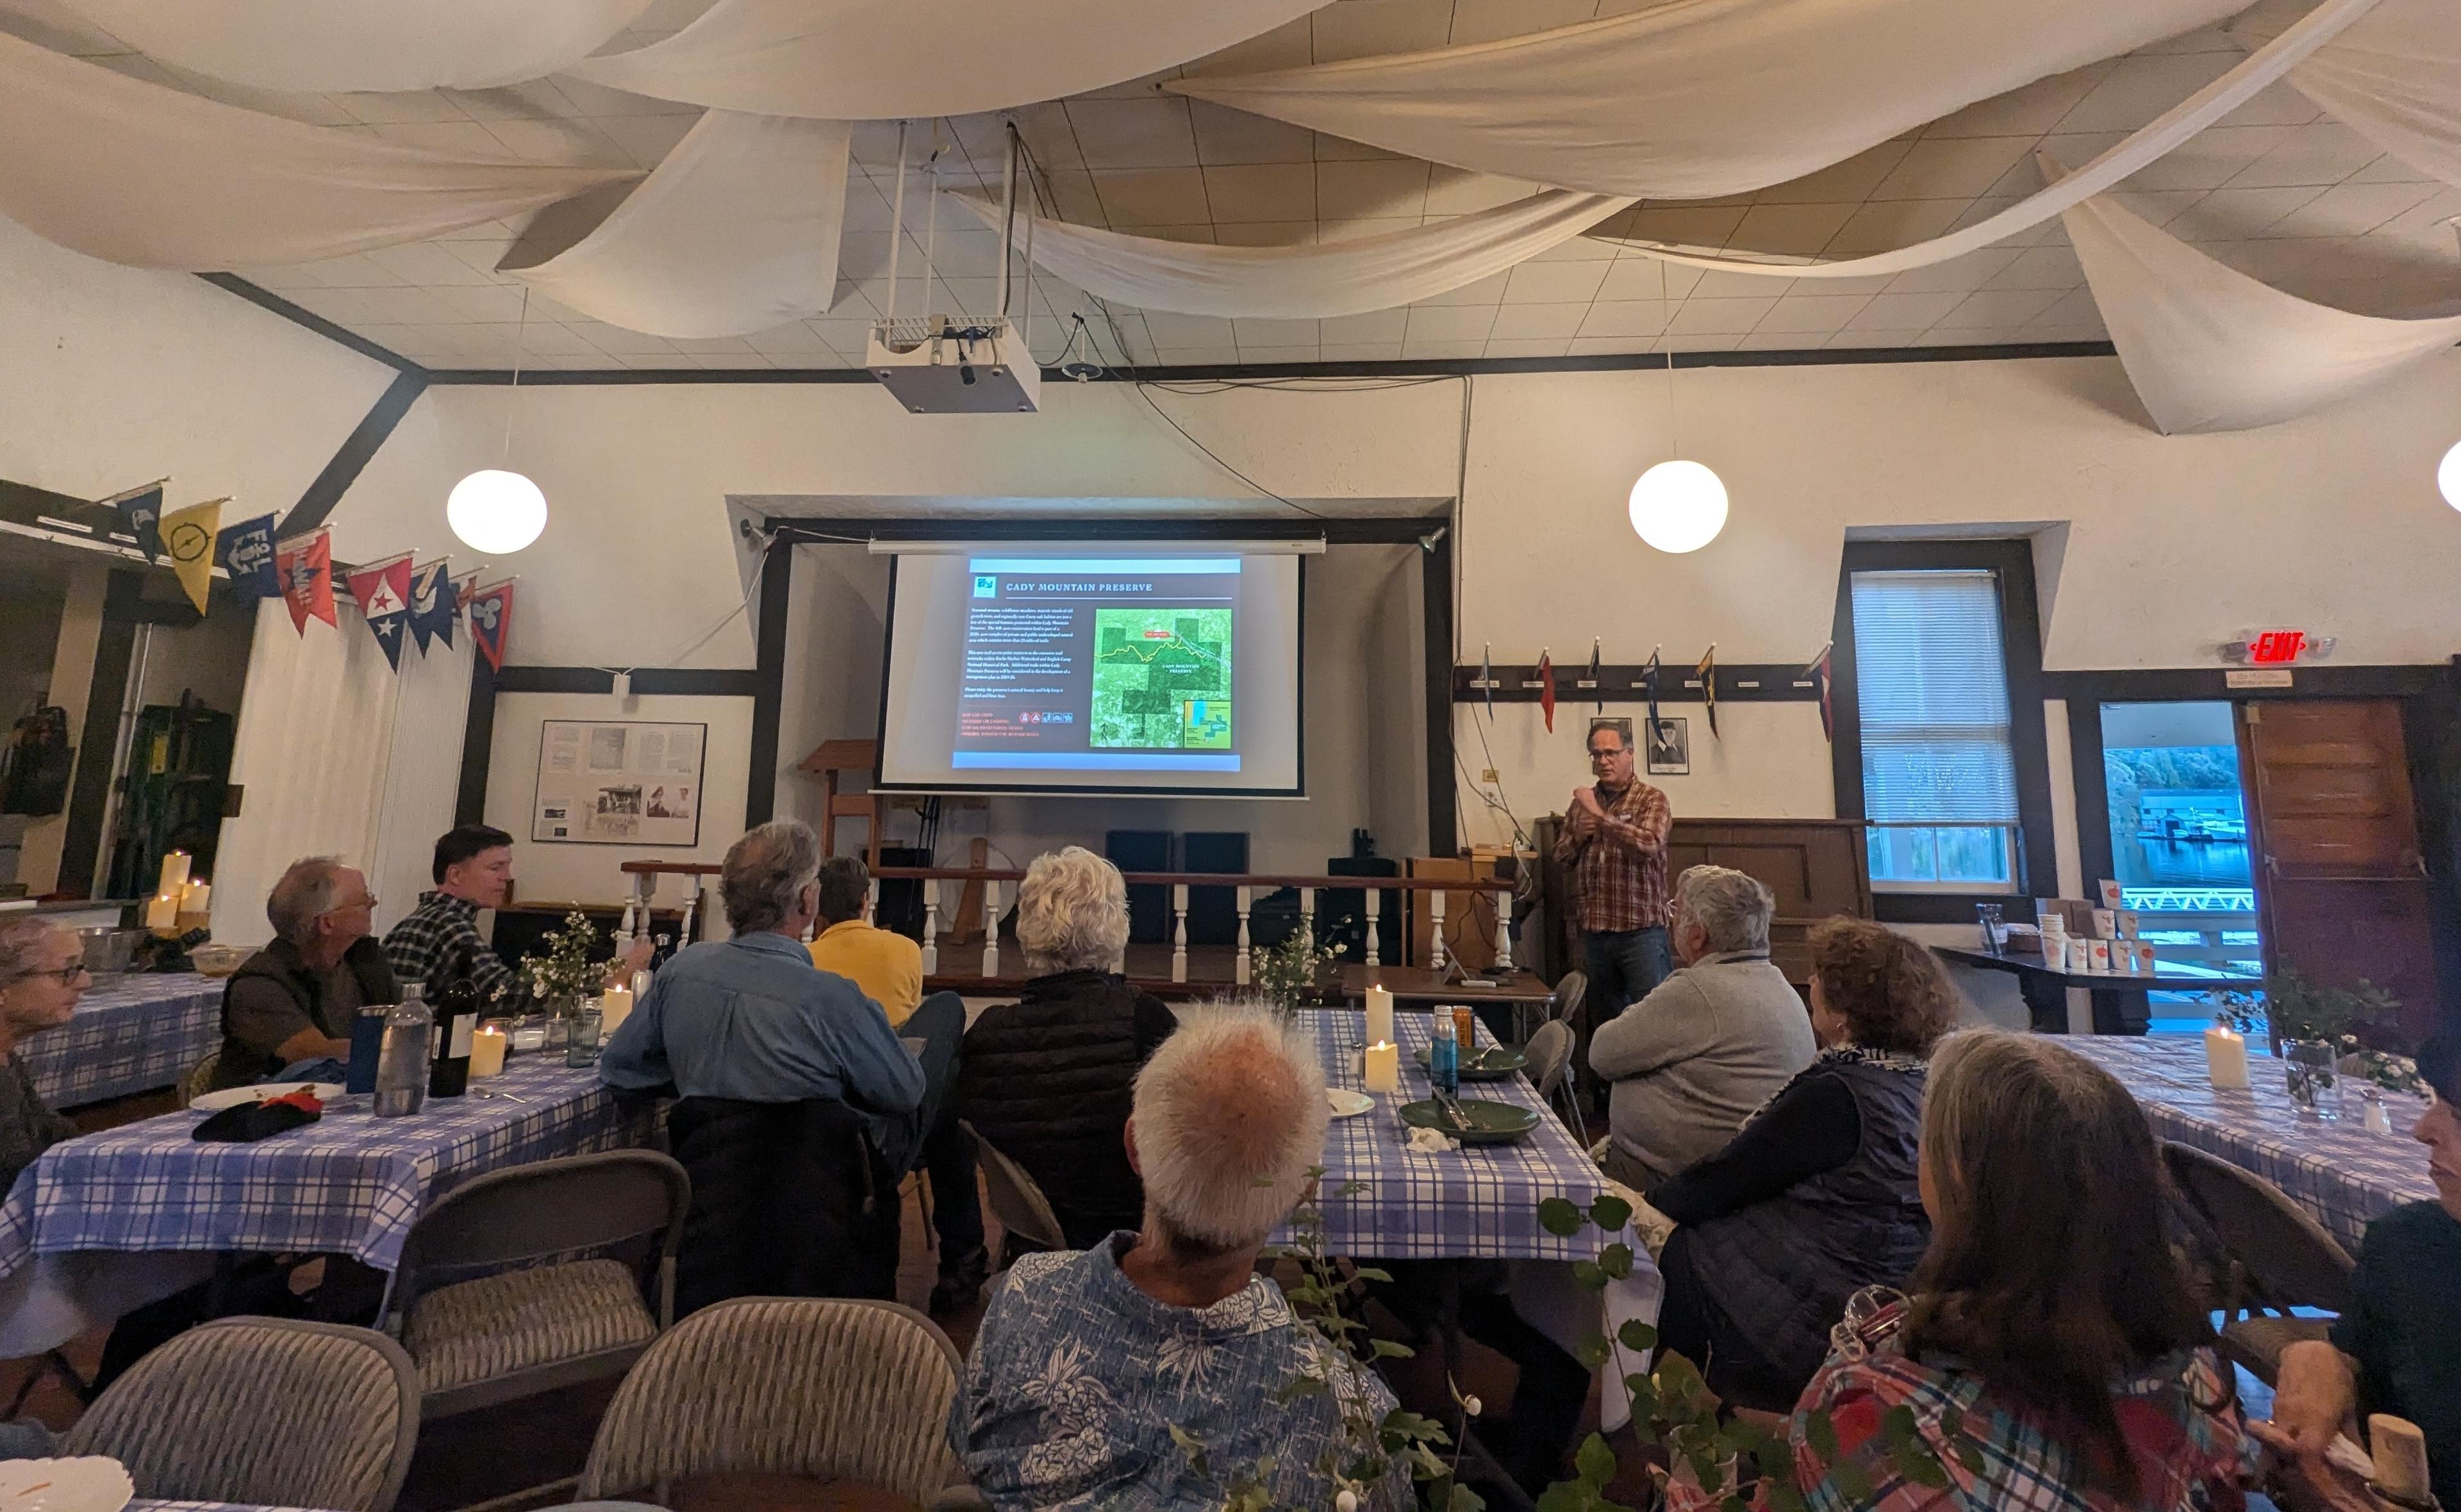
[{"x": 1092, "y": 666}]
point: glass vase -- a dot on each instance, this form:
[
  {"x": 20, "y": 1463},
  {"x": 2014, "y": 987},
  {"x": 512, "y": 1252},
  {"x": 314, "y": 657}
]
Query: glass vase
[
  {"x": 561, "y": 1012},
  {"x": 2313, "y": 1075}
]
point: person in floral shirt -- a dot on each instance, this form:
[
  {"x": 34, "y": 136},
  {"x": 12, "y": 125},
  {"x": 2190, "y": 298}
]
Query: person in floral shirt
[{"x": 2049, "y": 1355}]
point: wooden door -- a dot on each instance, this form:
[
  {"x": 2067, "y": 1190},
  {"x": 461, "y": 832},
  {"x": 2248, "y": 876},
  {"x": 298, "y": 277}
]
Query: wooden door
[{"x": 2341, "y": 884}]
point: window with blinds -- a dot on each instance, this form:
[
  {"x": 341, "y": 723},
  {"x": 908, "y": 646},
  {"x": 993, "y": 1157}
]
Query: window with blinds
[{"x": 1939, "y": 771}]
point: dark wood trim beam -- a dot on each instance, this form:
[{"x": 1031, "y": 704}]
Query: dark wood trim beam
[
  {"x": 769, "y": 683},
  {"x": 1436, "y": 639},
  {"x": 351, "y": 457}
]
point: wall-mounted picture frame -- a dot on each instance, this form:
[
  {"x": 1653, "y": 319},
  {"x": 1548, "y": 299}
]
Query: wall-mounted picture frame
[
  {"x": 623, "y": 782},
  {"x": 1669, "y": 747}
]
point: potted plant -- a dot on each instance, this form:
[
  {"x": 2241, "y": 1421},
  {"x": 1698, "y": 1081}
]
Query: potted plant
[
  {"x": 561, "y": 976},
  {"x": 2318, "y": 1026},
  {"x": 1288, "y": 973}
]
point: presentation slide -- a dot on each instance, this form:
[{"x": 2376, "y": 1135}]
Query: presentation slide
[{"x": 1082, "y": 666}]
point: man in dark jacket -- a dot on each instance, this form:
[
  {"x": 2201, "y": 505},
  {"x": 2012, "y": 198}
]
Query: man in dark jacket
[
  {"x": 1048, "y": 1080},
  {"x": 294, "y": 1000}
]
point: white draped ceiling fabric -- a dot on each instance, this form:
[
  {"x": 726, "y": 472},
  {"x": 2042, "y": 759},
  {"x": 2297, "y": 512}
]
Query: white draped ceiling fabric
[
  {"x": 736, "y": 231},
  {"x": 2210, "y": 348},
  {"x": 1310, "y": 282},
  {"x": 882, "y": 59},
  {"x": 134, "y": 173},
  {"x": 1699, "y": 99},
  {"x": 319, "y": 45},
  {"x": 2393, "y": 77}
]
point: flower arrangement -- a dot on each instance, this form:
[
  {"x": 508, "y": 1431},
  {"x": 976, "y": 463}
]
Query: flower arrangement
[
  {"x": 1287, "y": 973},
  {"x": 2298, "y": 1009},
  {"x": 565, "y": 971}
]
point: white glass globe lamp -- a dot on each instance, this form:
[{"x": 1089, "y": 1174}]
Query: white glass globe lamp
[
  {"x": 1679, "y": 506},
  {"x": 2447, "y": 476},
  {"x": 496, "y": 513}
]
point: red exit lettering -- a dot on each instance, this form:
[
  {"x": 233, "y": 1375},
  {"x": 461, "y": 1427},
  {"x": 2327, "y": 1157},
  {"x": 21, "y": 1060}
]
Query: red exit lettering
[
  {"x": 2277, "y": 648},
  {"x": 1157, "y": 636}
]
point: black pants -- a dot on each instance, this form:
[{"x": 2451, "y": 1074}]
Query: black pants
[
  {"x": 1692, "y": 1325},
  {"x": 941, "y": 1149},
  {"x": 1553, "y": 1387}
]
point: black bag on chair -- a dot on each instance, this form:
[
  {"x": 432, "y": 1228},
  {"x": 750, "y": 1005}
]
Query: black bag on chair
[{"x": 788, "y": 1199}]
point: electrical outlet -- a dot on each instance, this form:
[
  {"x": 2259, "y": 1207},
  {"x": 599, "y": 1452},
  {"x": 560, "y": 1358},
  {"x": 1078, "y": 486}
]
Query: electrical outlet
[{"x": 1488, "y": 776}]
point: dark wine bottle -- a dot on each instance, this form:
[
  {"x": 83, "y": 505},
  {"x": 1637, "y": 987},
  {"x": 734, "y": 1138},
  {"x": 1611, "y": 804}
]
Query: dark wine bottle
[{"x": 456, "y": 1021}]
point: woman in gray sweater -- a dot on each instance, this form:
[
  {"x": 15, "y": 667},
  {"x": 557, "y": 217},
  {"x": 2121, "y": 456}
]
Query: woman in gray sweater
[
  {"x": 42, "y": 975},
  {"x": 1692, "y": 1061}
]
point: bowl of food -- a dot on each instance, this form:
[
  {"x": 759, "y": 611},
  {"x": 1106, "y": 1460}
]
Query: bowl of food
[{"x": 219, "y": 960}]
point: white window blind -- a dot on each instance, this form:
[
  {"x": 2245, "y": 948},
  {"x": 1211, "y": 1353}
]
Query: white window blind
[{"x": 1932, "y": 686}]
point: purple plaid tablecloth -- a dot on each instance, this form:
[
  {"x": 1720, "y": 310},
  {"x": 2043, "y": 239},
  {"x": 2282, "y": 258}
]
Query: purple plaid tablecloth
[
  {"x": 138, "y": 1034},
  {"x": 1478, "y": 1201},
  {"x": 2337, "y": 1171},
  {"x": 348, "y": 1184}
]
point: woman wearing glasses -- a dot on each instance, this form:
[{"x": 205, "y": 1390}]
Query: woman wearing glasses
[{"x": 42, "y": 975}]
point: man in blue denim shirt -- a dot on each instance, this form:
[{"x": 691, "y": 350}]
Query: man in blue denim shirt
[{"x": 752, "y": 1018}]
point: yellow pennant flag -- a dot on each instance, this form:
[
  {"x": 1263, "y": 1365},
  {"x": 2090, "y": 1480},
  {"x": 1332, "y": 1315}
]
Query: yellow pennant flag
[{"x": 188, "y": 540}]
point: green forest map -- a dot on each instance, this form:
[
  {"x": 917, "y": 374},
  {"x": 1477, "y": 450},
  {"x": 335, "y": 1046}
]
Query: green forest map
[{"x": 1162, "y": 679}]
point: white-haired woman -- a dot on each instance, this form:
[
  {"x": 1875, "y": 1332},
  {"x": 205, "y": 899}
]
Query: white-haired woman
[
  {"x": 1047, "y": 1079},
  {"x": 42, "y": 975}
]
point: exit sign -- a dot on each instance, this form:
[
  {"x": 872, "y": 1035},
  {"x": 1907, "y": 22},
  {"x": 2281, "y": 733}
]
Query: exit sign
[{"x": 2275, "y": 648}]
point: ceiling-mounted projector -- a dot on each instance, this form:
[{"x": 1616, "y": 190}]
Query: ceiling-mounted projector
[{"x": 954, "y": 365}]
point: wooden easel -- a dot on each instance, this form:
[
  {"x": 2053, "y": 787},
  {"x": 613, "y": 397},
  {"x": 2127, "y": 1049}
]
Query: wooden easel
[{"x": 829, "y": 763}]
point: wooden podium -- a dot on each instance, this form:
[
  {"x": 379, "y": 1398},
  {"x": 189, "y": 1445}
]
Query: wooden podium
[{"x": 832, "y": 763}]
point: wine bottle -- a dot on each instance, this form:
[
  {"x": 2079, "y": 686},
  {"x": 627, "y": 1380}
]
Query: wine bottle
[{"x": 457, "y": 1020}]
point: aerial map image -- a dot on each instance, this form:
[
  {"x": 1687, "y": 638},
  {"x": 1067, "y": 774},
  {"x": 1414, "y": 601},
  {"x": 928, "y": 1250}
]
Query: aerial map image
[{"x": 1162, "y": 679}]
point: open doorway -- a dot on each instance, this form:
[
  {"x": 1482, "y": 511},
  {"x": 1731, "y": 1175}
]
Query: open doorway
[{"x": 2180, "y": 843}]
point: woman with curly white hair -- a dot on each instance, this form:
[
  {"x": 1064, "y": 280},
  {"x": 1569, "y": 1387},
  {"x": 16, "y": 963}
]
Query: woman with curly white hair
[{"x": 1047, "y": 1079}]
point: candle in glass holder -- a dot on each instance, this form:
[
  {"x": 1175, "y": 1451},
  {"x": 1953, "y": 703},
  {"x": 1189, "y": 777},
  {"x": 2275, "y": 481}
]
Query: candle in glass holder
[
  {"x": 162, "y": 912},
  {"x": 487, "y": 1048},
  {"x": 1380, "y": 1015},
  {"x": 175, "y": 873},
  {"x": 1384, "y": 1067},
  {"x": 2226, "y": 1057}
]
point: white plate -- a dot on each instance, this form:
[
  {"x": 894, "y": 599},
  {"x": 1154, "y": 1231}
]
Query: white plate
[
  {"x": 1347, "y": 1104},
  {"x": 91, "y": 1484},
  {"x": 217, "y": 1101}
]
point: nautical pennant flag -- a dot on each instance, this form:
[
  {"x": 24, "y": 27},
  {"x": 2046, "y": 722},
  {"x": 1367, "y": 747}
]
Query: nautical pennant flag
[
  {"x": 1818, "y": 673},
  {"x": 433, "y": 601},
  {"x": 141, "y": 511},
  {"x": 1708, "y": 670},
  {"x": 1598, "y": 685},
  {"x": 1487, "y": 676},
  {"x": 383, "y": 592},
  {"x": 187, "y": 537},
  {"x": 1649, "y": 691},
  {"x": 305, "y": 568},
  {"x": 246, "y": 551},
  {"x": 491, "y": 621},
  {"x": 1547, "y": 688}
]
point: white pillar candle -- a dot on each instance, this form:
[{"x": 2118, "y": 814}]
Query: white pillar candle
[
  {"x": 175, "y": 873},
  {"x": 488, "y": 1051},
  {"x": 163, "y": 911},
  {"x": 614, "y": 1006},
  {"x": 1383, "y": 1067},
  {"x": 196, "y": 897},
  {"x": 2226, "y": 1057},
  {"x": 1379, "y": 1016}
]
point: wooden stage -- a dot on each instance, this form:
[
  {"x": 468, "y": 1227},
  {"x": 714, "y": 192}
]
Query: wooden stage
[{"x": 1209, "y": 973}]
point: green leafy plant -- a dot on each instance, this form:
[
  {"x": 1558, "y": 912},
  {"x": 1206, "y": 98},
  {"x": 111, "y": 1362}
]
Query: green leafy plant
[
  {"x": 565, "y": 969},
  {"x": 1673, "y": 1407},
  {"x": 2391, "y": 1072},
  {"x": 2300, "y": 1009},
  {"x": 1287, "y": 973}
]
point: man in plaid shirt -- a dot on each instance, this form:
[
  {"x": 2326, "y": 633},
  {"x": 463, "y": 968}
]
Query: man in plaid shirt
[
  {"x": 1614, "y": 841},
  {"x": 440, "y": 943}
]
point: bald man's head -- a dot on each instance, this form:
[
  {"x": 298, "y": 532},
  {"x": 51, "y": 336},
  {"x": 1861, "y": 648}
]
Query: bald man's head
[{"x": 1229, "y": 1118}]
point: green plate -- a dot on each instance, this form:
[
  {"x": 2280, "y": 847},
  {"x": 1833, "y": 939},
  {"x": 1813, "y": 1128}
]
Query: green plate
[
  {"x": 1490, "y": 1122},
  {"x": 1493, "y": 1063}
]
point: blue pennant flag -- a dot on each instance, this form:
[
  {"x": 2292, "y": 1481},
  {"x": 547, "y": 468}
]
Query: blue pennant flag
[
  {"x": 435, "y": 602},
  {"x": 246, "y": 551},
  {"x": 141, "y": 511}
]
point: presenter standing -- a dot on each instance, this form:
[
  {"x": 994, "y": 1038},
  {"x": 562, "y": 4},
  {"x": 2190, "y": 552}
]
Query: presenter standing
[{"x": 1613, "y": 842}]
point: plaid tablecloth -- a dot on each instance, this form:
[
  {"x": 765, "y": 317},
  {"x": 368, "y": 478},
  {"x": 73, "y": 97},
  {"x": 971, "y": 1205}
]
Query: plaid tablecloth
[
  {"x": 138, "y": 1034},
  {"x": 348, "y": 1184},
  {"x": 1478, "y": 1201},
  {"x": 2337, "y": 1171}
]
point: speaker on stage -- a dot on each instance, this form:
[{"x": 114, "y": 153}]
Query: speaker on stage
[
  {"x": 1213, "y": 912},
  {"x": 1148, "y": 903}
]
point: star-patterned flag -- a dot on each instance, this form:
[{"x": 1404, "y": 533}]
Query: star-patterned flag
[
  {"x": 1649, "y": 692},
  {"x": 1818, "y": 673},
  {"x": 246, "y": 551},
  {"x": 1708, "y": 670},
  {"x": 141, "y": 511},
  {"x": 383, "y": 592},
  {"x": 1597, "y": 684},
  {"x": 1487, "y": 676},
  {"x": 1547, "y": 688},
  {"x": 188, "y": 540},
  {"x": 434, "y": 599},
  {"x": 491, "y": 621},
  {"x": 305, "y": 568}
]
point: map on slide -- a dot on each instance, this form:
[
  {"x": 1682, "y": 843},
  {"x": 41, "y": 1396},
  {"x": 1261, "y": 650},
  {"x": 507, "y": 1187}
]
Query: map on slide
[{"x": 1162, "y": 679}]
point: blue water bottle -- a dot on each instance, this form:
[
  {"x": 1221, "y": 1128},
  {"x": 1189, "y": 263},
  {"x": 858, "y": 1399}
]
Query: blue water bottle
[
  {"x": 1443, "y": 1058},
  {"x": 367, "y": 1040}
]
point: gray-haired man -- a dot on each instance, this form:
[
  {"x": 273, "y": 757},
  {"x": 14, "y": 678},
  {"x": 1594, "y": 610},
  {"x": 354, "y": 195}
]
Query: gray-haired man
[
  {"x": 1710, "y": 1044},
  {"x": 294, "y": 1001}
]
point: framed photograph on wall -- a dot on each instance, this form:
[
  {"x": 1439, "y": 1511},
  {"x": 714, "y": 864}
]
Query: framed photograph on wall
[
  {"x": 1670, "y": 748},
  {"x": 628, "y": 782}
]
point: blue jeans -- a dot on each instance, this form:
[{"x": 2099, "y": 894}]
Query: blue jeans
[{"x": 1623, "y": 966}]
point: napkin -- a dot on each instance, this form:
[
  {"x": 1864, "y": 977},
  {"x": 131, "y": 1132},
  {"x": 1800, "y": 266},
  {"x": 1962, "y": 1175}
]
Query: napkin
[
  {"x": 1431, "y": 1141},
  {"x": 251, "y": 1121}
]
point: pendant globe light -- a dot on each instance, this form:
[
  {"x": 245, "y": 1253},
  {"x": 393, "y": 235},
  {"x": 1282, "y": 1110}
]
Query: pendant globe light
[
  {"x": 2447, "y": 476},
  {"x": 1677, "y": 506},
  {"x": 496, "y": 511}
]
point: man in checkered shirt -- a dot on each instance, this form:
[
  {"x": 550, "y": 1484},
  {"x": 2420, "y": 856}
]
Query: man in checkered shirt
[
  {"x": 440, "y": 943},
  {"x": 1613, "y": 841}
]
